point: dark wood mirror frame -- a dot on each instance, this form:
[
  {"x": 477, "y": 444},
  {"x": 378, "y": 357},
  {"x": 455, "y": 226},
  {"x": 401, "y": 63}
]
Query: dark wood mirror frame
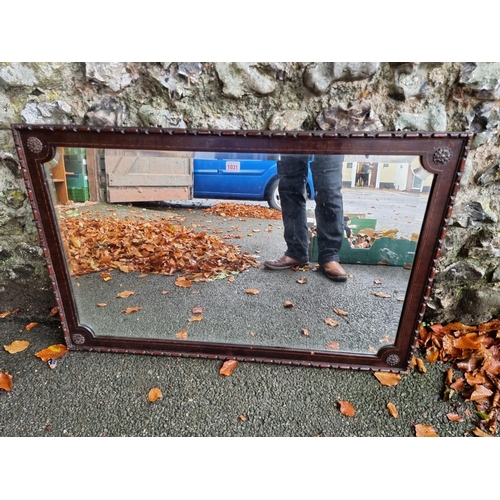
[{"x": 442, "y": 154}]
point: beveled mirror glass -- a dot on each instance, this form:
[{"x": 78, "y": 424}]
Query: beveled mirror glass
[{"x": 138, "y": 267}]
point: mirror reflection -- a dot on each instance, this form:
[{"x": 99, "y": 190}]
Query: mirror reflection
[{"x": 191, "y": 268}]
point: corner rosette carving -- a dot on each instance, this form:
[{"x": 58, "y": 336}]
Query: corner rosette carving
[
  {"x": 35, "y": 145},
  {"x": 78, "y": 339},
  {"x": 393, "y": 359},
  {"x": 442, "y": 156}
]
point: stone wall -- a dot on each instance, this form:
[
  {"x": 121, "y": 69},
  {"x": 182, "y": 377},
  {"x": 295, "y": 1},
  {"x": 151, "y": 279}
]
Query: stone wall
[{"x": 288, "y": 96}]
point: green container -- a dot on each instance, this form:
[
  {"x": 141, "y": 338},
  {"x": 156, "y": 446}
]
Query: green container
[
  {"x": 77, "y": 181},
  {"x": 78, "y": 194},
  {"x": 357, "y": 224},
  {"x": 75, "y": 166}
]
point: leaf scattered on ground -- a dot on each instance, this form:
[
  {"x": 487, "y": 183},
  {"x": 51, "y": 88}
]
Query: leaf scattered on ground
[
  {"x": 197, "y": 310},
  {"x": 392, "y": 410},
  {"x": 388, "y": 379},
  {"x": 228, "y": 367},
  {"x": 302, "y": 281},
  {"x": 53, "y": 352},
  {"x": 17, "y": 346},
  {"x": 125, "y": 294},
  {"x": 243, "y": 418},
  {"x": 420, "y": 365},
  {"x": 54, "y": 311},
  {"x": 229, "y": 209},
  {"x": 340, "y": 312},
  {"x": 382, "y": 295},
  {"x": 194, "y": 319},
  {"x": 154, "y": 394},
  {"x": 346, "y": 408},
  {"x": 182, "y": 334},
  {"x": 4, "y": 314},
  {"x": 422, "y": 430},
  {"x": 251, "y": 291},
  {"x": 134, "y": 309},
  {"x": 454, "y": 417},
  {"x": 334, "y": 346},
  {"x": 288, "y": 304},
  {"x": 5, "y": 381},
  {"x": 102, "y": 304},
  {"x": 306, "y": 332},
  {"x": 30, "y": 326},
  {"x": 331, "y": 322}
]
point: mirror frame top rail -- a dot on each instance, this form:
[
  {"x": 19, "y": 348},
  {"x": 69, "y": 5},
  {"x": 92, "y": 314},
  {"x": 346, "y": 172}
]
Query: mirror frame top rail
[{"x": 442, "y": 154}]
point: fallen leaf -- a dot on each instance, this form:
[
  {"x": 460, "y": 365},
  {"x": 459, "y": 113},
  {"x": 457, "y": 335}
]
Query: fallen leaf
[
  {"x": 193, "y": 319},
  {"x": 197, "y": 310},
  {"x": 105, "y": 276},
  {"x": 182, "y": 283},
  {"x": 54, "y": 351},
  {"x": 388, "y": 379},
  {"x": 392, "y": 410},
  {"x": 228, "y": 367},
  {"x": 165, "y": 292},
  {"x": 333, "y": 345},
  {"x": 423, "y": 430},
  {"x": 432, "y": 354},
  {"x": 17, "y": 346},
  {"x": 4, "y": 314},
  {"x": 302, "y": 281},
  {"x": 413, "y": 362},
  {"x": 377, "y": 282},
  {"x": 480, "y": 433},
  {"x": 125, "y": 294},
  {"x": 143, "y": 275},
  {"x": 102, "y": 304},
  {"x": 288, "y": 304},
  {"x": 5, "y": 381},
  {"x": 154, "y": 394},
  {"x": 381, "y": 294},
  {"x": 480, "y": 392},
  {"x": 331, "y": 322},
  {"x": 251, "y": 291},
  {"x": 454, "y": 417},
  {"x": 306, "y": 332},
  {"x": 54, "y": 311},
  {"x": 243, "y": 418},
  {"x": 29, "y": 326},
  {"x": 449, "y": 376},
  {"x": 420, "y": 365},
  {"x": 340, "y": 312},
  {"x": 132, "y": 309},
  {"x": 182, "y": 334},
  {"x": 252, "y": 334},
  {"x": 346, "y": 408}
]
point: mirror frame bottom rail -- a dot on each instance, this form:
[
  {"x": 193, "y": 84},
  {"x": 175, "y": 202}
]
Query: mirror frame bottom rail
[{"x": 442, "y": 154}]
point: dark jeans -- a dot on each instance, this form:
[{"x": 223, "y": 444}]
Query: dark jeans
[{"x": 327, "y": 178}]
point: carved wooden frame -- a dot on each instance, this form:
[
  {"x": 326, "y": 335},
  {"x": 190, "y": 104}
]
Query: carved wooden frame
[{"x": 442, "y": 154}]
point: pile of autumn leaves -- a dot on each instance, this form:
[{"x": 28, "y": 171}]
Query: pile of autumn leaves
[
  {"x": 96, "y": 243},
  {"x": 475, "y": 351}
]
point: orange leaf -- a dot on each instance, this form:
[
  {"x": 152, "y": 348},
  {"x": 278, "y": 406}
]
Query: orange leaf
[
  {"x": 30, "y": 326},
  {"x": 449, "y": 376},
  {"x": 17, "y": 346},
  {"x": 251, "y": 291},
  {"x": 340, "y": 312},
  {"x": 102, "y": 304},
  {"x": 381, "y": 294},
  {"x": 243, "y": 418},
  {"x": 182, "y": 334},
  {"x": 377, "y": 282},
  {"x": 182, "y": 283},
  {"x": 154, "y": 394},
  {"x": 195, "y": 318},
  {"x": 432, "y": 354},
  {"x": 53, "y": 311},
  {"x": 333, "y": 345},
  {"x": 228, "y": 367},
  {"x": 454, "y": 417},
  {"x": 480, "y": 433},
  {"x": 197, "y": 310},
  {"x": 132, "y": 309},
  {"x": 5, "y": 381},
  {"x": 392, "y": 410},
  {"x": 105, "y": 276},
  {"x": 52, "y": 352},
  {"x": 423, "y": 430},
  {"x": 331, "y": 322},
  {"x": 346, "y": 408},
  {"x": 306, "y": 332},
  {"x": 125, "y": 294},
  {"x": 420, "y": 366},
  {"x": 288, "y": 304},
  {"x": 387, "y": 378},
  {"x": 4, "y": 314},
  {"x": 480, "y": 392},
  {"x": 302, "y": 281}
]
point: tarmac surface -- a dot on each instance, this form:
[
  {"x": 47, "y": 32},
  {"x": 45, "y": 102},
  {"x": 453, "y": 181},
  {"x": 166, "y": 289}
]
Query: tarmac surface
[{"x": 97, "y": 394}]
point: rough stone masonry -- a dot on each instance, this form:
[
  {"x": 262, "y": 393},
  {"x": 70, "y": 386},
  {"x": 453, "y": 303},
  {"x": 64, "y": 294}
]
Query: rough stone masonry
[{"x": 447, "y": 96}]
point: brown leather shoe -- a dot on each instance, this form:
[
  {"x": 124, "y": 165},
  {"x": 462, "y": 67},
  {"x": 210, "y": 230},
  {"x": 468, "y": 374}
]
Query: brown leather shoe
[
  {"x": 284, "y": 262},
  {"x": 334, "y": 271}
]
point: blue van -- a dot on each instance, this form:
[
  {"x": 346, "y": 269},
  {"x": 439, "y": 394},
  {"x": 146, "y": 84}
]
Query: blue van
[{"x": 239, "y": 176}]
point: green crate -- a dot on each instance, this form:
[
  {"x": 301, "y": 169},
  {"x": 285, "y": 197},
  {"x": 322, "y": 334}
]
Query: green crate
[
  {"x": 78, "y": 194},
  {"x": 77, "y": 181},
  {"x": 357, "y": 224}
]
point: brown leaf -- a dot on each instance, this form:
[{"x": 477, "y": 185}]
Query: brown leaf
[
  {"x": 392, "y": 410},
  {"x": 54, "y": 311},
  {"x": 5, "y": 381},
  {"x": 132, "y": 309},
  {"x": 154, "y": 394},
  {"x": 165, "y": 292},
  {"x": 432, "y": 354},
  {"x": 52, "y": 352},
  {"x": 251, "y": 291},
  {"x": 423, "y": 430},
  {"x": 458, "y": 385},
  {"x": 387, "y": 378},
  {"x": 102, "y": 304},
  {"x": 125, "y": 294},
  {"x": 454, "y": 417},
  {"x": 143, "y": 275},
  {"x": 29, "y": 326},
  {"x": 182, "y": 283},
  {"x": 243, "y": 418},
  {"x": 340, "y": 312},
  {"x": 479, "y": 433},
  {"x": 197, "y": 310},
  {"x": 420, "y": 365},
  {"x": 480, "y": 392},
  {"x": 4, "y": 314},
  {"x": 17, "y": 346},
  {"x": 105, "y": 276},
  {"x": 193, "y": 319},
  {"x": 302, "y": 281},
  {"x": 381, "y": 294},
  {"x": 346, "y": 408},
  {"x": 288, "y": 304},
  {"x": 333, "y": 345},
  {"x": 182, "y": 334},
  {"x": 331, "y": 322},
  {"x": 306, "y": 332},
  {"x": 449, "y": 376},
  {"x": 228, "y": 367},
  {"x": 377, "y": 282}
]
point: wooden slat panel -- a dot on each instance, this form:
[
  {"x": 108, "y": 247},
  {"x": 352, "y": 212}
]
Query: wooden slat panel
[
  {"x": 123, "y": 195},
  {"x": 93, "y": 174},
  {"x": 145, "y": 179}
]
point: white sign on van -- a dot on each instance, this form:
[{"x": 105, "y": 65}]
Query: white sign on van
[{"x": 232, "y": 166}]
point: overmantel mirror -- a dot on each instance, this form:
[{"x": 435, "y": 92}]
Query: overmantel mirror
[{"x": 135, "y": 271}]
